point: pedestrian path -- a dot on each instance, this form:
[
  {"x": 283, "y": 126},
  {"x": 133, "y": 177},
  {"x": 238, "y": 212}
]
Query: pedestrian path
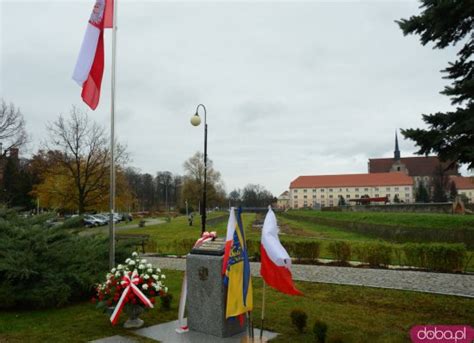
[{"x": 419, "y": 281}]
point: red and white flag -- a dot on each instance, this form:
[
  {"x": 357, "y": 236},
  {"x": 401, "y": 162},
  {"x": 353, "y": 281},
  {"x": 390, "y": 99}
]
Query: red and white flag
[
  {"x": 90, "y": 63},
  {"x": 275, "y": 268},
  {"x": 231, "y": 224}
]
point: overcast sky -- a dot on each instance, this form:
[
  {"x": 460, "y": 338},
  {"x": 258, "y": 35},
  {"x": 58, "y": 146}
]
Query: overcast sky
[{"x": 291, "y": 88}]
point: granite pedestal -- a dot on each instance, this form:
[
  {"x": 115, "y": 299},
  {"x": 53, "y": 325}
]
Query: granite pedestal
[{"x": 206, "y": 300}]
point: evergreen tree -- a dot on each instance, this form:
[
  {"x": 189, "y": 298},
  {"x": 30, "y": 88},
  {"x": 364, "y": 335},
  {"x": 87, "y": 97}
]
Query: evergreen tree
[
  {"x": 449, "y": 134},
  {"x": 342, "y": 201},
  {"x": 396, "y": 199},
  {"x": 440, "y": 185},
  {"x": 453, "y": 191},
  {"x": 422, "y": 194}
]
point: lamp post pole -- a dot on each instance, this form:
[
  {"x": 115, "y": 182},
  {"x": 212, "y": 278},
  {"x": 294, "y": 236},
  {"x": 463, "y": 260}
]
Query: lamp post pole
[{"x": 195, "y": 120}]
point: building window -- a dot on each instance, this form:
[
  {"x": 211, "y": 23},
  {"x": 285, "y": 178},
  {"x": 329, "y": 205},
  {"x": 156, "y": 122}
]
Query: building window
[
  {"x": 314, "y": 190},
  {"x": 377, "y": 195},
  {"x": 347, "y": 189},
  {"x": 305, "y": 190},
  {"x": 331, "y": 203},
  {"x": 387, "y": 195},
  {"x": 322, "y": 189},
  {"x": 348, "y": 196},
  {"x": 330, "y": 189},
  {"x": 295, "y": 190},
  {"x": 376, "y": 188},
  {"x": 407, "y": 195},
  {"x": 366, "y": 189},
  {"x": 396, "y": 189},
  {"x": 387, "y": 189},
  {"x": 330, "y": 197},
  {"x": 407, "y": 188},
  {"x": 322, "y": 196},
  {"x": 305, "y": 197},
  {"x": 357, "y": 189},
  {"x": 340, "y": 189},
  {"x": 296, "y": 197},
  {"x": 314, "y": 196},
  {"x": 357, "y": 195}
]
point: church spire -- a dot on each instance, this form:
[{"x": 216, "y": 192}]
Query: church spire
[{"x": 396, "y": 153}]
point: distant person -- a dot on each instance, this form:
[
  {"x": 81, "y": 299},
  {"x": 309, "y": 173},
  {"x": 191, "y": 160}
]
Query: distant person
[{"x": 190, "y": 219}]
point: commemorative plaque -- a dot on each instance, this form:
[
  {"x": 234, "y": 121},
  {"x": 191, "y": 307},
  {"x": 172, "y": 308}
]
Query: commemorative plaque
[{"x": 215, "y": 248}]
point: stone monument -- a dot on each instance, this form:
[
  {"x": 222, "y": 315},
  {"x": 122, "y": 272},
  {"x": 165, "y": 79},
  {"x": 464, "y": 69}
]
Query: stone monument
[{"x": 206, "y": 300}]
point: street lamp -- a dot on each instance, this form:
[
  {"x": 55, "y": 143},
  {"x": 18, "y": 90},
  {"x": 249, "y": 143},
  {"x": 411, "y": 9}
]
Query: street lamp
[{"x": 195, "y": 121}]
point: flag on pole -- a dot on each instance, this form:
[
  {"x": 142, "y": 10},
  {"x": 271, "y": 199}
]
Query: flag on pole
[
  {"x": 231, "y": 224},
  {"x": 275, "y": 266},
  {"x": 90, "y": 62},
  {"x": 237, "y": 270}
]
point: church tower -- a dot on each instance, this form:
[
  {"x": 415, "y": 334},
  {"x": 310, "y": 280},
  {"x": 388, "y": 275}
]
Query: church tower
[{"x": 396, "y": 153}]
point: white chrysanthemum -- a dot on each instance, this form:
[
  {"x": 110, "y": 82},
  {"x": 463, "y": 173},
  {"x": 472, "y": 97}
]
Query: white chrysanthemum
[
  {"x": 117, "y": 274},
  {"x": 141, "y": 266},
  {"x": 145, "y": 286},
  {"x": 157, "y": 288},
  {"x": 155, "y": 277},
  {"x": 132, "y": 263},
  {"x": 127, "y": 260},
  {"x": 166, "y": 289},
  {"x": 149, "y": 270},
  {"x": 158, "y": 270},
  {"x": 143, "y": 261},
  {"x": 163, "y": 276},
  {"x": 108, "y": 282},
  {"x": 109, "y": 275},
  {"x": 146, "y": 277},
  {"x": 119, "y": 267},
  {"x": 134, "y": 254},
  {"x": 149, "y": 265}
]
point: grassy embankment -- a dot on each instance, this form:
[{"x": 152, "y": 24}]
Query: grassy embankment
[{"x": 348, "y": 311}]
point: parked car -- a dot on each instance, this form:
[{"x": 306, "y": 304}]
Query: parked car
[{"x": 91, "y": 221}]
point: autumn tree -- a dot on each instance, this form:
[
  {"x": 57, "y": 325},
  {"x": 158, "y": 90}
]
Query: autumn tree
[
  {"x": 12, "y": 127},
  {"x": 193, "y": 182},
  {"x": 256, "y": 196},
  {"x": 449, "y": 134},
  {"x": 77, "y": 176}
]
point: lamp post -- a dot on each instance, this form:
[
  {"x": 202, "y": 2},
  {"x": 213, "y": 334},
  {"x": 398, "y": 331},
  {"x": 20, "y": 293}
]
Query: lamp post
[{"x": 195, "y": 121}]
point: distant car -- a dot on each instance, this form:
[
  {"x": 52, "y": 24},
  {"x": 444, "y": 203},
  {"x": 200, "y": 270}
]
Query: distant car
[{"x": 91, "y": 221}]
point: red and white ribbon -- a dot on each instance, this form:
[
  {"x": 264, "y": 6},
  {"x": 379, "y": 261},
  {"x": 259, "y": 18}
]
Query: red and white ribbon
[
  {"x": 206, "y": 237},
  {"x": 130, "y": 284}
]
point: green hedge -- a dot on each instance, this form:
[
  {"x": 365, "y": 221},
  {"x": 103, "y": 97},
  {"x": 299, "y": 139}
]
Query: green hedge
[
  {"x": 340, "y": 250},
  {"x": 376, "y": 254},
  {"x": 435, "y": 256}
]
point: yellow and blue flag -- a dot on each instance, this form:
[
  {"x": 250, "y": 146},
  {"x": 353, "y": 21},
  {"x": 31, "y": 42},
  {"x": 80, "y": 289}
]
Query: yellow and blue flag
[{"x": 237, "y": 274}]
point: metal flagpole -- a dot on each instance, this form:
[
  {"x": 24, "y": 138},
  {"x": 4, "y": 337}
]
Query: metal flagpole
[
  {"x": 112, "y": 143},
  {"x": 263, "y": 310}
]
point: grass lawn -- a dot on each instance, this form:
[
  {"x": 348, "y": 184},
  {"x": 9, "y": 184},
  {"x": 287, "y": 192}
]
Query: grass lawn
[
  {"x": 357, "y": 314},
  {"x": 430, "y": 220}
]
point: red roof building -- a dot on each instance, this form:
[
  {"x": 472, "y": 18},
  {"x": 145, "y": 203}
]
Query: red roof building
[{"x": 327, "y": 190}]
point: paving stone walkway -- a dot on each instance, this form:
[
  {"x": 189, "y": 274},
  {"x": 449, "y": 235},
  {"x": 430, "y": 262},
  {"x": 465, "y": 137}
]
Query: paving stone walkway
[{"x": 440, "y": 283}]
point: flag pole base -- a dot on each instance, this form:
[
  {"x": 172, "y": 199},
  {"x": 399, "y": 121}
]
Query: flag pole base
[{"x": 182, "y": 329}]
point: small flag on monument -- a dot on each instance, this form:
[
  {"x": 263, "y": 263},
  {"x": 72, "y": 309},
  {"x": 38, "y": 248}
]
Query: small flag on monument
[
  {"x": 275, "y": 268},
  {"x": 236, "y": 268},
  {"x": 90, "y": 62}
]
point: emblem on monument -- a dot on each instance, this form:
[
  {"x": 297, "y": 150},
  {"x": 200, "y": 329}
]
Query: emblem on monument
[
  {"x": 203, "y": 273},
  {"x": 97, "y": 13}
]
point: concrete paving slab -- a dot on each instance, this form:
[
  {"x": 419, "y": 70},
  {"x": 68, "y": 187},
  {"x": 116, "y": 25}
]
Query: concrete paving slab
[{"x": 166, "y": 333}]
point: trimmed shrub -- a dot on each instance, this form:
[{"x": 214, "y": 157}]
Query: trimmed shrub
[
  {"x": 436, "y": 256},
  {"x": 320, "y": 329},
  {"x": 299, "y": 319},
  {"x": 303, "y": 249},
  {"x": 374, "y": 253},
  {"x": 48, "y": 267},
  {"x": 341, "y": 250}
]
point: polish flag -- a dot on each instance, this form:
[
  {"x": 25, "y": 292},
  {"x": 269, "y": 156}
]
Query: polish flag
[
  {"x": 231, "y": 224},
  {"x": 90, "y": 63},
  {"x": 275, "y": 266}
]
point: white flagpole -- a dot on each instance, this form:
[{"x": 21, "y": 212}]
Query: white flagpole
[
  {"x": 263, "y": 309},
  {"x": 112, "y": 143}
]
